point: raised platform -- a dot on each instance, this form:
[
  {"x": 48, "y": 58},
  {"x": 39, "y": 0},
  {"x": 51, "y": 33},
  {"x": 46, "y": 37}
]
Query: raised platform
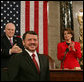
[{"x": 66, "y": 75}]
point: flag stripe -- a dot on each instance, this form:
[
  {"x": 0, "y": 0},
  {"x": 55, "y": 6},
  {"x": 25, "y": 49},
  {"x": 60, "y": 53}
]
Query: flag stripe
[
  {"x": 22, "y": 21},
  {"x": 45, "y": 28},
  {"x": 31, "y": 15},
  {"x": 27, "y": 15},
  {"x": 41, "y": 26},
  {"x": 36, "y": 18}
]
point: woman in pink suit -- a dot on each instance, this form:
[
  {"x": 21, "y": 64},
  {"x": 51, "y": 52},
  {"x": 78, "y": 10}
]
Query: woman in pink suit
[{"x": 68, "y": 52}]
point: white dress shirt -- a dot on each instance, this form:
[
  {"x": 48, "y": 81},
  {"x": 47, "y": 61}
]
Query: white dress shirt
[
  {"x": 36, "y": 56},
  {"x": 11, "y": 39}
]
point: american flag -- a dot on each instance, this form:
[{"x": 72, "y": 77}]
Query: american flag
[
  {"x": 10, "y": 12},
  {"x": 27, "y": 15}
]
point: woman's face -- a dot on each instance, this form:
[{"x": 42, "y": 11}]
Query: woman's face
[{"x": 67, "y": 35}]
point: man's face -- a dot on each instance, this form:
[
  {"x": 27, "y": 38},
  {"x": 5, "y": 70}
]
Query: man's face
[
  {"x": 10, "y": 30},
  {"x": 31, "y": 42}
]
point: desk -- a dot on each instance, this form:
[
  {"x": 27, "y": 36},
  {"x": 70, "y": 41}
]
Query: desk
[{"x": 66, "y": 75}]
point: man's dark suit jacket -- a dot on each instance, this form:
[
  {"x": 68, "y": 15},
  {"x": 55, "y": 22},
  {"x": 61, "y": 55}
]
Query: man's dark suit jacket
[
  {"x": 22, "y": 68},
  {"x": 5, "y": 46}
]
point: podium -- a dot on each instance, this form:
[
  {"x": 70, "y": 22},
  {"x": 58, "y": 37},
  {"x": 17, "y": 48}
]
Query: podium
[
  {"x": 66, "y": 75},
  {"x": 56, "y": 75}
]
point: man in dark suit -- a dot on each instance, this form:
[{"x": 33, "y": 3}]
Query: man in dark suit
[
  {"x": 9, "y": 48},
  {"x": 22, "y": 66}
]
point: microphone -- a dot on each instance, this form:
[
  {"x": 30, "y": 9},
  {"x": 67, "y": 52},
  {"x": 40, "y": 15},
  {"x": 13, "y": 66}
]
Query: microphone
[{"x": 67, "y": 50}]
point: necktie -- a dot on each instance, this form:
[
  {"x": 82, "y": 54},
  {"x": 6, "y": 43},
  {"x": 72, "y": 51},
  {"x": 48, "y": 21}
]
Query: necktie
[
  {"x": 11, "y": 42},
  {"x": 35, "y": 62}
]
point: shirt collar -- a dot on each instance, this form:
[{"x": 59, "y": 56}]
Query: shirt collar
[
  {"x": 30, "y": 53},
  {"x": 9, "y": 38}
]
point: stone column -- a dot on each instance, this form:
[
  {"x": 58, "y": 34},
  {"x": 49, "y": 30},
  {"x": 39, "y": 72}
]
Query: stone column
[{"x": 54, "y": 30}]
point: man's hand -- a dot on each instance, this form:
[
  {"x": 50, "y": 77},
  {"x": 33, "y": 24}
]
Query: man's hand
[{"x": 16, "y": 49}]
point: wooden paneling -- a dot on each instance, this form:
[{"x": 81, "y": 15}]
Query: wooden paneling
[{"x": 66, "y": 75}]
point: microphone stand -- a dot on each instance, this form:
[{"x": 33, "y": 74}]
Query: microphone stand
[{"x": 67, "y": 50}]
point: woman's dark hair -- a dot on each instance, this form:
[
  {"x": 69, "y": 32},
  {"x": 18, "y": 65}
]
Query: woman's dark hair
[
  {"x": 28, "y": 32},
  {"x": 70, "y": 31}
]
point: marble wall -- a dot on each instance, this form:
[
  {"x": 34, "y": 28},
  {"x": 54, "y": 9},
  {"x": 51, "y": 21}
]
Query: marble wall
[
  {"x": 54, "y": 26},
  {"x": 54, "y": 29},
  {"x": 76, "y": 5}
]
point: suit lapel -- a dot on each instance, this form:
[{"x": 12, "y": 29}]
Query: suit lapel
[
  {"x": 29, "y": 61},
  {"x": 7, "y": 41},
  {"x": 40, "y": 62},
  {"x": 14, "y": 40}
]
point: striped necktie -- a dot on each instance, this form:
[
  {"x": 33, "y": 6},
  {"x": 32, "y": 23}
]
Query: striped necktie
[
  {"x": 11, "y": 42},
  {"x": 35, "y": 62}
]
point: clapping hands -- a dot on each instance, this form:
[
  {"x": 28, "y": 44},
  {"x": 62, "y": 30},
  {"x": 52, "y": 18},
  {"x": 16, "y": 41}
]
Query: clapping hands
[
  {"x": 16, "y": 49},
  {"x": 72, "y": 45}
]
